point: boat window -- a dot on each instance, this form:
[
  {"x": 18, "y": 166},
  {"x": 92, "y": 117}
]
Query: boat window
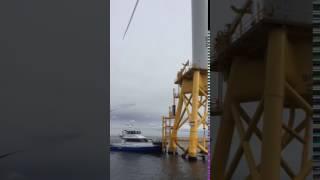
[
  {"x": 133, "y": 132},
  {"x": 136, "y": 140}
]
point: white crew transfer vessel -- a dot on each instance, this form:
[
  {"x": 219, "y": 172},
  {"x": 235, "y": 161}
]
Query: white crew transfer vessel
[{"x": 133, "y": 141}]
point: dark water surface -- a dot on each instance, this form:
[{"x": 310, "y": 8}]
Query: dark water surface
[{"x": 135, "y": 166}]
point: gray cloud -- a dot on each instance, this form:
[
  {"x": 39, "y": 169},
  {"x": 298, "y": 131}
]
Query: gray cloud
[
  {"x": 145, "y": 63},
  {"x": 138, "y": 116},
  {"x": 122, "y": 106}
]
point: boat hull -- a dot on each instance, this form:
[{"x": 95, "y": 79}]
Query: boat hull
[{"x": 151, "y": 149}]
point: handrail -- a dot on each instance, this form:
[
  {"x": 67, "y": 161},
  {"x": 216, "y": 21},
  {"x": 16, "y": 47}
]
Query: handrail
[
  {"x": 245, "y": 26},
  {"x": 225, "y": 38},
  {"x": 238, "y": 19},
  {"x": 186, "y": 67}
]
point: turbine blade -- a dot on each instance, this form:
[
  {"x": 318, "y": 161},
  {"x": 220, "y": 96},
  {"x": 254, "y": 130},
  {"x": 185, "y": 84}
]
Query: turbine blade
[
  {"x": 8, "y": 154},
  {"x": 134, "y": 10}
]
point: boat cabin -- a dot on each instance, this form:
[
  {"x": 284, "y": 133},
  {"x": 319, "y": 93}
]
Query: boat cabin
[
  {"x": 133, "y": 136},
  {"x": 132, "y": 132}
]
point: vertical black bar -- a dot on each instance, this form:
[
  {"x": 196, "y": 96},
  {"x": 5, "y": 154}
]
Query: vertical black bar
[
  {"x": 316, "y": 92},
  {"x": 108, "y": 88},
  {"x": 209, "y": 15}
]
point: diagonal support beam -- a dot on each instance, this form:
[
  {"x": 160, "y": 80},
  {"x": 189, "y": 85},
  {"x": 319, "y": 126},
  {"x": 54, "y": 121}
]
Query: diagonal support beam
[
  {"x": 204, "y": 93},
  {"x": 291, "y": 119},
  {"x": 257, "y": 131},
  {"x": 305, "y": 171},
  {"x": 245, "y": 145},
  {"x": 202, "y": 148},
  {"x": 293, "y": 133},
  {"x": 183, "y": 122},
  {"x": 249, "y": 133},
  {"x": 305, "y": 151},
  {"x": 302, "y": 102}
]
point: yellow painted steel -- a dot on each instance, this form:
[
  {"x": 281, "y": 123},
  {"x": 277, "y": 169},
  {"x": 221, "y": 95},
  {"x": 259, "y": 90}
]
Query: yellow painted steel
[
  {"x": 163, "y": 132},
  {"x": 173, "y": 135},
  {"x": 166, "y": 130},
  {"x": 273, "y": 104},
  {"x": 192, "y": 108},
  {"x": 194, "y": 120},
  {"x": 278, "y": 81}
]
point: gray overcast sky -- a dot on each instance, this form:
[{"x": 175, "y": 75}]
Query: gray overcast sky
[{"x": 144, "y": 64}]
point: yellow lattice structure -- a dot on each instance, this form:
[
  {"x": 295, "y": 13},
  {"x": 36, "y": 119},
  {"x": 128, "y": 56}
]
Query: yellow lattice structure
[
  {"x": 276, "y": 80},
  {"x": 192, "y": 108}
]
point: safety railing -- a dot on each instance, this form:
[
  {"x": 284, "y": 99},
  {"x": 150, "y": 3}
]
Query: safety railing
[{"x": 247, "y": 24}]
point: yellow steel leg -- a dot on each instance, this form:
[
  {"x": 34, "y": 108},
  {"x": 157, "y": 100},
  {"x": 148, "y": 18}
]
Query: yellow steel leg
[
  {"x": 274, "y": 98},
  {"x": 173, "y": 136},
  {"x": 204, "y": 136},
  {"x": 225, "y": 134},
  {"x": 164, "y": 134},
  {"x": 193, "y": 141}
]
